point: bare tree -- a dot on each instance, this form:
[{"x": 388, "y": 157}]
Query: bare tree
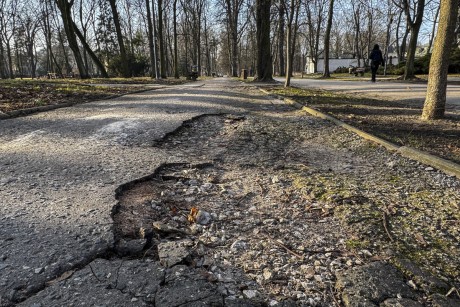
[
  {"x": 315, "y": 15},
  {"x": 193, "y": 11},
  {"x": 233, "y": 9},
  {"x": 435, "y": 102},
  {"x": 8, "y": 19},
  {"x": 29, "y": 26},
  {"x": 123, "y": 55},
  {"x": 281, "y": 37},
  {"x": 150, "y": 39},
  {"x": 65, "y": 7},
  {"x": 293, "y": 18},
  {"x": 161, "y": 40},
  {"x": 401, "y": 42},
  {"x": 414, "y": 18},
  {"x": 176, "y": 56}
]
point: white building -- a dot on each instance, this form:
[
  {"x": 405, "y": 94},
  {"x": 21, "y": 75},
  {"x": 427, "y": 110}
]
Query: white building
[{"x": 336, "y": 63}]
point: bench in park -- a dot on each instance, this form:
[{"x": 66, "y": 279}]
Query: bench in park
[{"x": 357, "y": 70}]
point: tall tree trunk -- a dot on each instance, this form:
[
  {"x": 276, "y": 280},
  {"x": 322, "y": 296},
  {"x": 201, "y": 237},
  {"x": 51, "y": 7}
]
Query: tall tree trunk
[
  {"x": 2, "y": 63},
  {"x": 123, "y": 55},
  {"x": 85, "y": 53},
  {"x": 48, "y": 39},
  {"x": 30, "y": 53},
  {"x": 403, "y": 47},
  {"x": 176, "y": 58},
  {"x": 398, "y": 47},
  {"x": 281, "y": 26},
  {"x": 435, "y": 102},
  {"x": 10, "y": 60},
  {"x": 357, "y": 32},
  {"x": 327, "y": 40},
  {"x": 155, "y": 53},
  {"x": 207, "y": 48},
  {"x": 130, "y": 26},
  {"x": 264, "y": 67},
  {"x": 68, "y": 67},
  {"x": 291, "y": 38},
  {"x": 161, "y": 40},
  {"x": 234, "y": 42},
  {"x": 18, "y": 60},
  {"x": 150, "y": 37},
  {"x": 199, "y": 12},
  {"x": 233, "y": 8},
  {"x": 65, "y": 8}
]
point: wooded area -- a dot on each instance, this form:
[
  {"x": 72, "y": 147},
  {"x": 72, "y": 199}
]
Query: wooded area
[{"x": 172, "y": 38}]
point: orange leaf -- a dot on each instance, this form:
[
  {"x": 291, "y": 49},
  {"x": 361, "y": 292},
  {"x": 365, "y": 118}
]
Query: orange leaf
[{"x": 192, "y": 216}]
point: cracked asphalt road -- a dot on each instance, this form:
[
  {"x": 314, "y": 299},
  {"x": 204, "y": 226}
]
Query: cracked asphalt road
[{"x": 59, "y": 171}]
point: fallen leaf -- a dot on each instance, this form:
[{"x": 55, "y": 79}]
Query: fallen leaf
[
  {"x": 192, "y": 216},
  {"x": 64, "y": 276}
]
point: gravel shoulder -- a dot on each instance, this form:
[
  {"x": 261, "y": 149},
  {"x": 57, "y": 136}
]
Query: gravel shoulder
[{"x": 238, "y": 201}]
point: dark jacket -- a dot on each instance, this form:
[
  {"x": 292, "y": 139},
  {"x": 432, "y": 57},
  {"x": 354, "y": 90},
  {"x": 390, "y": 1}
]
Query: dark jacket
[{"x": 376, "y": 57}]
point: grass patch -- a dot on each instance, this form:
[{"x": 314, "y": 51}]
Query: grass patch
[{"x": 20, "y": 94}]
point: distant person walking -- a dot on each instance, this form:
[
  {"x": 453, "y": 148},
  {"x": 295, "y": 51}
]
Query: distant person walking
[{"x": 376, "y": 58}]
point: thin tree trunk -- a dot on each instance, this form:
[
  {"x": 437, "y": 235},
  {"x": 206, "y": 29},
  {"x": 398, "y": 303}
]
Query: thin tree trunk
[
  {"x": 85, "y": 55},
  {"x": 326, "y": 73},
  {"x": 123, "y": 55},
  {"x": 161, "y": 40},
  {"x": 64, "y": 52},
  {"x": 10, "y": 60},
  {"x": 176, "y": 58},
  {"x": 435, "y": 102},
  {"x": 357, "y": 19},
  {"x": 232, "y": 8},
  {"x": 433, "y": 29},
  {"x": 48, "y": 39},
  {"x": 155, "y": 54},
  {"x": 18, "y": 60},
  {"x": 290, "y": 41},
  {"x": 281, "y": 26},
  {"x": 207, "y": 48},
  {"x": 234, "y": 41},
  {"x": 150, "y": 37},
  {"x": 30, "y": 53},
  {"x": 2, "y": 63}
]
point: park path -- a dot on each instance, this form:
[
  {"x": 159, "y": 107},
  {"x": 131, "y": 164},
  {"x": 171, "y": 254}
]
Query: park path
[
  {"x": 59, "y": 171},
  {"x": 284, "y": 191}
]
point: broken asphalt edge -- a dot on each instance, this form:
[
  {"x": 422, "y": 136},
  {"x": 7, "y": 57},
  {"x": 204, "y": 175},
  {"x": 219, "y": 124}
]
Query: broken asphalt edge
[{"x": 444, "y": 165}]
